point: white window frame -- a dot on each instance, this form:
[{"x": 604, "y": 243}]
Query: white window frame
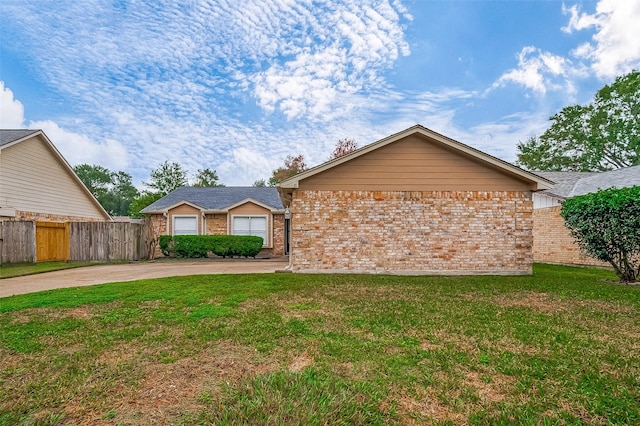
[
  {"x": 267, "y": 240},
  {"x": 192, "y": 216}
]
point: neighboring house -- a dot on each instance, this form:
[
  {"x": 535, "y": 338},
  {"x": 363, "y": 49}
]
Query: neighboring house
[
  {"x": 415, "y": 202},
  {"x": 221, "y": 211},
  {"x": 37, "y": 183},
  {"x": 552, "y": 242}
]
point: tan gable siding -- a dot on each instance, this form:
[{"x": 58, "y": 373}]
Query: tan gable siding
[
  {"x": 33, "y": 180},
  {"x": 413, "y": 164},
  {"x": 184, "y": 209}
]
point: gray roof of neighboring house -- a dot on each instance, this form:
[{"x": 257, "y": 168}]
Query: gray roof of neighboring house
[
  {"x": 217, "y": 198},
  {"x": 569, "y": 184},
  {"x": 564, "y": 181},
  {"x": 9, "y": 135},
  {"x": 620, "y": 178}
]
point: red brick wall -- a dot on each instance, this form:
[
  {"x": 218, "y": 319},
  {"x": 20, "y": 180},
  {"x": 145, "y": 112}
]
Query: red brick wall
[
  {"x": 412, "y": 232},
  {"x": 552, "y": 242}
]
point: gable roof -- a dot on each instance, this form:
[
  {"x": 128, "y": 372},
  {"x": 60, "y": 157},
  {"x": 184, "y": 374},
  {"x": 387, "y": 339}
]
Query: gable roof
[
  {"x": 11, "y": 137},
  {"x": 539, "y": 182},
  {"x": 570, "y": 184},
  {"x": 218, "y": 198}
]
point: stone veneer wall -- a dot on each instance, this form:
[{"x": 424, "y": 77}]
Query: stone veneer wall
[
  {"x": 466, "y": 232},
  {"x": 552, "y": 242}
]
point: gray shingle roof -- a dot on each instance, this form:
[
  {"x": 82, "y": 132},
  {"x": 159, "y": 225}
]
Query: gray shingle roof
[
  {"x": 569, "y": 184},
  {"x": 565, "y": 181},
  {"x": 620, "y": 178},
  {"x": 9, "y": 135},
  {"x": 217, "y": 198}
]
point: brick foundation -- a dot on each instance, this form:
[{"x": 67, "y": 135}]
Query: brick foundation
[
  {"x": 552, "y": 242},
  {"x": 47, "y": 217},
  {"x": 468, "y": 232}
]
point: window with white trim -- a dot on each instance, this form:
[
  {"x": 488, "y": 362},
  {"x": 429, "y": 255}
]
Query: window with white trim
[
  {"x": 185, "y": 225},
  {"x": 251, "y": 225}
]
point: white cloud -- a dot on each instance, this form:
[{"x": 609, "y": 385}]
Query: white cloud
[
  {"x": 615, "y": 46},
  {"x": 539, "y": 71},
  {"x": 79, "y": 149},
  {"x": 11, "y": 110}
]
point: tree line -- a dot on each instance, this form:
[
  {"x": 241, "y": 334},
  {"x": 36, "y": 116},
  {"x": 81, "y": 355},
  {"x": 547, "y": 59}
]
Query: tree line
[{"x": 115, "y": 191}]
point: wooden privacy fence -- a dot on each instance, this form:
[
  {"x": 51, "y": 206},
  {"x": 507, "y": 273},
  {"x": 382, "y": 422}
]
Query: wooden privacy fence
[
  {"x": 109, "y": 241},
  {"x": 28, "y": 241},
  {"x": 17, "y": 242}
]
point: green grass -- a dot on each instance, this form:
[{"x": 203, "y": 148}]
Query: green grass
[
  {"x": 20, "y": 269},
  {"x": 558, "y": 347}
]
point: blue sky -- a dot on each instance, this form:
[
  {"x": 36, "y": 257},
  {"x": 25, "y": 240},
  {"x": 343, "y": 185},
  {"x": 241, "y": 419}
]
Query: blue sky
[{"x": 236, "y": 86}]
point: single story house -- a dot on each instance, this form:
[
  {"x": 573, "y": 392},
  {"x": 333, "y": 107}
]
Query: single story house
[
  {"x": 552, "y": 242},
  {"x": 415, "y": 202},
  {"x": 222, "y": 211},
  {"x": 37, "y": 183}
]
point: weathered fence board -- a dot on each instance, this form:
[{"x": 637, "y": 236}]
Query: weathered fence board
[
  {"x": 17, "y": 242},
  {"x": 109, "y": 241}
]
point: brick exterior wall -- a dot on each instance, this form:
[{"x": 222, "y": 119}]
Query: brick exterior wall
[
  {"x": 216, "y": 224},
  {"x": 552, "y": 242},
  {"x": 159, "y": 227},
  {"x": 278, "y": 235},
  {"x": 46, "y": 217},
  {"x": 412, "y": 232}
]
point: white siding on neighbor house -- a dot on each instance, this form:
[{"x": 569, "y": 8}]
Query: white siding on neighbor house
[
  {"x": 33, "y": 179},
  {"x": 542, "y": 201}
]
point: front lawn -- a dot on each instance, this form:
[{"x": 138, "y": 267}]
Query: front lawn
[
  {"x": 558, "y": 347},
  {"x": 19, "y": 269}
]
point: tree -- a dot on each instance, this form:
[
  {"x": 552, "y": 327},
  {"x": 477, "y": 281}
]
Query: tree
[
  {"x": 606, "y": 225},
  {"x": 113, "y": 190},
  {"x": 343, "y": 147},
  {"x": 206, "y": 177},
  {"x": 600, "y": 136},
  {"x": 292, "y": 166},
  {"x": 96, "y": 178},
  {"x": 260, "y": 183},
  {"x": 143, "y": 200},
  {"x": 166, "y": 178}
]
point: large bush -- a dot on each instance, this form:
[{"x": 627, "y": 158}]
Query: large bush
[
  {"x": 606, "y": 225},
  {"x": 193, "y": 246}
]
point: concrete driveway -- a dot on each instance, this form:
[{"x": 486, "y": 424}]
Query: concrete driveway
[{"x": 101, "y": 274}]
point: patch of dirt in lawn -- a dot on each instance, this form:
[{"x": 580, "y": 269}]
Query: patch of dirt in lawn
[
  {"x": 301, "y": 362},
  {"x": 414, "y": 410},
  {"x": 493, "y": 389},
  {"x": 168, "y": 390}
]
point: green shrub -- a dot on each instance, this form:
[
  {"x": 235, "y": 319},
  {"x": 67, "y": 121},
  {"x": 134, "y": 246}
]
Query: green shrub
[
  {"x": 606, "y": 225},
  {"x": 194, "y": 246}
]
